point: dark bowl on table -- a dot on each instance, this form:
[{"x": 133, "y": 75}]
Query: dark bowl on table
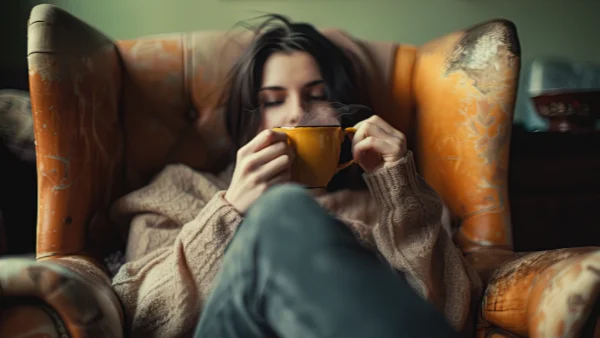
[{"x": 569, "y": 111}]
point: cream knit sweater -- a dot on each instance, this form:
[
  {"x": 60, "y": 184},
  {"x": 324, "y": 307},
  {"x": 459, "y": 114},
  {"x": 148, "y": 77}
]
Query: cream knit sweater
[{"x": 180, "y": 224}]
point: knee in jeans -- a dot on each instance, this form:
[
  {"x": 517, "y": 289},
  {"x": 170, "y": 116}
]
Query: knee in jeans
[
  {"x": 287, "y": 200},
  {"x": 282, "y": 196}
]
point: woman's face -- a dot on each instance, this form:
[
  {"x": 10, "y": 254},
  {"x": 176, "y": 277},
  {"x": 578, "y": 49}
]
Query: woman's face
[{"x": 293, "y": 92}]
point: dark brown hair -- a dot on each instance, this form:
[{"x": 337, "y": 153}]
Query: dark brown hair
[
  {"x": 278, "y": 34},
  {"x": 341, "y": 76}
]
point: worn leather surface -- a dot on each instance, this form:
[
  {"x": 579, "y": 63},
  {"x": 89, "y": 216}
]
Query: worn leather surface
[
  {"x": 75, "y": 85},
  {"x": 465, "y": 91},
  {"x": 72, "y": 287},
  {"x": 544, "y": 294},
  {"x": 29, "y": 321},
  {"x": 108, "y": 115}
]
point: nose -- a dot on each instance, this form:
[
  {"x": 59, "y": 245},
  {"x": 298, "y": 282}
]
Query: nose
[{"x": 296, "y": 113}]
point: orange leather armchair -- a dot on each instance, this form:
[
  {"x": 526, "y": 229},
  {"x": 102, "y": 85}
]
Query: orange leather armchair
[{"x": 109, "y": 115}]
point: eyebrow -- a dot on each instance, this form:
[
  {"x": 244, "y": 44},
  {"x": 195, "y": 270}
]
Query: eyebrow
[{"x": 308, "y": 85}]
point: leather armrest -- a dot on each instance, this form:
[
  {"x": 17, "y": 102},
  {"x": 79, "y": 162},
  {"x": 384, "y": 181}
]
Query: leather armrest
[
  {"x": 23, "y": 319},
  {"x": 73, "y": 287},
  {"x": 545, "y": 294}
]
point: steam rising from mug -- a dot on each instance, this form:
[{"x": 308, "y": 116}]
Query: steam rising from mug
[{"x": 330, "y": 114}]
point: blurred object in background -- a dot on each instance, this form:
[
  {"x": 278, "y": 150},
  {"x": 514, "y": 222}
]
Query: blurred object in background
[
  {"x": 18, "y": 184},
  {"x": 569, "y": 110},
  {"x": 547, "y": 76}
]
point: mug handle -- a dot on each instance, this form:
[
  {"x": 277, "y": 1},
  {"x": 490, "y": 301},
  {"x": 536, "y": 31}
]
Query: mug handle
[{"x": 350, "y": 130}]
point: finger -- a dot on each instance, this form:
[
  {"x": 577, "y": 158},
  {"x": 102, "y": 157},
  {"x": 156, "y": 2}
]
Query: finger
[
  {"x": 289, "y": 150},
  {"x": 375, "y": 119},
  {"x": 381, "y": 123},
  {"x": 265, "y": 155},
  {"x": 381, "y": 147},
  {"x": 369, "y": 129},
  {"x": 262, "y": 140},
  {"x": 284, "y": 177},
  {"x": 272, "y": 169}
]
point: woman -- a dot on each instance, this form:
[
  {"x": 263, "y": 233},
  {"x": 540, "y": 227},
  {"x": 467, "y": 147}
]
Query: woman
[{"x": 291, "y": 269}]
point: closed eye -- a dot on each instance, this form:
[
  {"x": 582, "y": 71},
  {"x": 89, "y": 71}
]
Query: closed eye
[
  {"x": 272, "y": 103},
  {"x": 318, "y": 98}
]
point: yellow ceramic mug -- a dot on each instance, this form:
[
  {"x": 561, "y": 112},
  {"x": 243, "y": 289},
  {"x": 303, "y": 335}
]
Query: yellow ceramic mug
[{"x": 317, "y": 151}]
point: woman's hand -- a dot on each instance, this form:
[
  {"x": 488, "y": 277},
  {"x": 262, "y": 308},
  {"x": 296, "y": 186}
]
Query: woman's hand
[
  {"x": 263, "y": 162},
  {"x": 377, "y": 144}
]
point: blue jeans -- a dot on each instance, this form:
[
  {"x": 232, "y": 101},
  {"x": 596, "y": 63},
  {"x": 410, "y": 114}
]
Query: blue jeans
[{"x": 293, "y": 271}]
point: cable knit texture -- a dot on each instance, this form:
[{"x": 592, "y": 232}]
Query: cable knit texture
[{"x": 180, "y": 224}]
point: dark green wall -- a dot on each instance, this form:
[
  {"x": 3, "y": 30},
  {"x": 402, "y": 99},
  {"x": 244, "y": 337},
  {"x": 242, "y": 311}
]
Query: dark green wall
[
  {"x": 13, "y": 50},
  {"x": 562, "y": 28}
]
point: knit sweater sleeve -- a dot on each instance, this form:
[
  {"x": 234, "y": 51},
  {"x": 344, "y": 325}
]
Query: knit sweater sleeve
[
  {"x": 163, "y": 292},
  {"x": 410, "y": 236}
]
